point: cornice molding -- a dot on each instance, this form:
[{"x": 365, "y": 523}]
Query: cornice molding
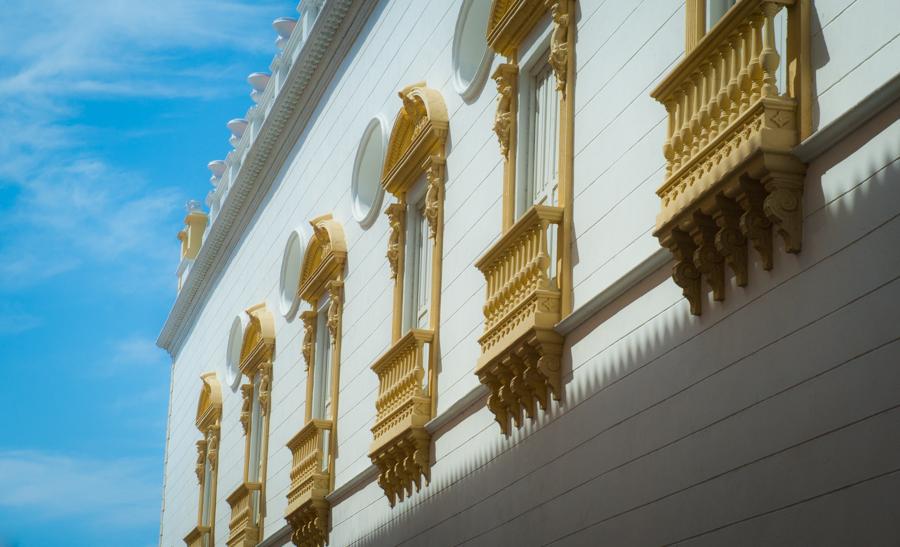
[{"x": 333, "y": 34}]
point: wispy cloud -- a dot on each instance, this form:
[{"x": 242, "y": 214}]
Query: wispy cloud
[
  {"x": 118, "y": 493},
  {"x": 17, "y": 323},
  {"x": 72, "y": 205},
  {"x": 137, "y": 350}
]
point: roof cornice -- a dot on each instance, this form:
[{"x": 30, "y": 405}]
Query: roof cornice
[{"x": 334, "y": 32}]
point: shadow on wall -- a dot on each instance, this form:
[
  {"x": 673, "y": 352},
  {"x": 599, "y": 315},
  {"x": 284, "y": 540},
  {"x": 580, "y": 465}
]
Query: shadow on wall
[
  {"x": 819, "y": 58},
  {"x": 473, "y": 502}
]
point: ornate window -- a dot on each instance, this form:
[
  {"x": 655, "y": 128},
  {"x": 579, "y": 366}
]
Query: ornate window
[
  {"x": 730, "y": 174},
  {"x": 414, "y": 174},
  {"x": 321, "y": 284},
  {"x": 528, "y": 270},
  {"x": 209, "y": 416},
  {"x": 248, "y": 503}
]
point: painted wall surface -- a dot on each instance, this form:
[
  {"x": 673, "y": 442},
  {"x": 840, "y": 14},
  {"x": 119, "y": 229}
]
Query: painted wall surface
[{"x": 772, "y": 418}]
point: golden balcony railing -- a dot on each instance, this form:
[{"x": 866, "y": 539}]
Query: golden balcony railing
[
  {"x": 242, "y": 529},
  {"x": 308, "y": 510},
  {"x": 520, "y": 351},
  {"x": 401, "y": 445},
  {"x": 730, "y": 174},
  {"x": 198, "y": 537}
]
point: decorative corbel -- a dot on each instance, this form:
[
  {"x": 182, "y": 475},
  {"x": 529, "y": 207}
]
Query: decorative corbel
[
  {"x": 201, "y": 456},
  {"x": 309, "y": 336},
  {"x": 212, "y": 446},
  {"x": 434, "y": 197},
  {"x": 265, "y": 385},
  {"x": 559, "y": 41},
  {"x": 783, "y": 206},
  {"x": 506, "y": 77},
  {"x": 685, "y": 273},
  {"x": 335, "y": 305},
  {"x": 247, "y": 395},
  {"x": 396, "y": 213}
]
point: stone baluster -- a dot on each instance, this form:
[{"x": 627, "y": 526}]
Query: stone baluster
[{"x": 769, "y": 58}]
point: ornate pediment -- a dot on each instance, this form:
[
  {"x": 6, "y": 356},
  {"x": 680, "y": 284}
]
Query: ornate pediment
[
  {"x": 324, "y": 258},
  {"x": 259, "y": 338},
  {"x": 511, "y": 21},
  {"x": 209, "y": 407},
  {"x": 420, "y": 131}
]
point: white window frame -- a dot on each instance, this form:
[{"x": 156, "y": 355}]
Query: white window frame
[
  {"x": 254, "y": 469},
  {"x": 207, "y": 501},
  {"x": 419, "y": 257},
  {"x": 321, "y": 377},
  {"x": 533, "y": 60}
]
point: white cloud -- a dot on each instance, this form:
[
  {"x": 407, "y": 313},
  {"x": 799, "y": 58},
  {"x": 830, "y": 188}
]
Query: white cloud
[
  {"x": 137, "y": 350},
  {"x": 72, "y": 206},
  {"x": 17, "y": 323},
  {"x": 118, "y": 493}
]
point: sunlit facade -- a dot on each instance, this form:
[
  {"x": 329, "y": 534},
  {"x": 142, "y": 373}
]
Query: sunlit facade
[{"x": 533, "y": 272}]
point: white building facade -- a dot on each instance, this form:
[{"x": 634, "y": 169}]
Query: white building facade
[{"x": 534, "y": 272}]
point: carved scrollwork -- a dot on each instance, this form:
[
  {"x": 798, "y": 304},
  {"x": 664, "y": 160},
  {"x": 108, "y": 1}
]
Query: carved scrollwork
[
  {"x": 559, "y": 41},
  {"x": 685, "y": 273},
  {"x": 754, "y": 223},
  {"x": 335, "y": 306},
  {"x": 309, "y": 337},
  {"x": 730, "y": 241},
  {"x": 783, "y": 206},
  {"x": 265, "y": 386},
  {"x": 200, "y": 468},
  {"x": 706, "y": 257},
  {"x": 434, "y": 196},
  {"x": 396, "y": 214},
  {"x": 506, "y": 77},
  {"x": 246, "y": 402},
  {"x": 212, "y": 446}
]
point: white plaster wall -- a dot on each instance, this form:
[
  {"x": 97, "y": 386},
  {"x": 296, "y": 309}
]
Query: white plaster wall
[{"x": 770, "y": 419}]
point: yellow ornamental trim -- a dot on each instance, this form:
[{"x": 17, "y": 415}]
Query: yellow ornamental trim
[
  {"x": 259, "y": 339},
  {"x": 209, "y": 405},
  {"x": 731, "y": 177},
  {"x": 324, "y": 258},
  {"x": 511, "y": 21},
  {"x": 241, "y": 530},
  {"x": 401, "y": 444},
  {"x": 420, "y": 131},
  {"x": 308, "y": 511},
  {"x": 520, "y": 351}
]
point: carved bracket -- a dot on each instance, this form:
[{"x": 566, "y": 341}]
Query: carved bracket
[
  {"x": 506, "y": 76},
  {"x": 309, "y": 524},
  {"x": 309, "y": 337},
  {"x": 265, "y": 386},
  {"x": 434, "y": 195},
  {"x": 396, "y": 214},
  {"x": 403, "y": 463},
  {"x": 559, "y": 41},
  {"x": 247, "y": 401},
  {"x": 335, "y": 306}
]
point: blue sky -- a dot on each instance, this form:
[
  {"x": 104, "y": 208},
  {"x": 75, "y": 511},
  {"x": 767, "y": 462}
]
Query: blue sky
[{"x": 109, "y": 112}]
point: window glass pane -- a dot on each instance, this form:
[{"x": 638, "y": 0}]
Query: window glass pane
[
  {"x": 255, "y": 433},
  {"x": 321, "y": 407},
  {"x": 417, "y": 288},
  {"x": 715, "y": 10},
  {"x": 423, "y": 272},
  {"x": 541, "y": 180},
  {"x": 207, "y": 491}
]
